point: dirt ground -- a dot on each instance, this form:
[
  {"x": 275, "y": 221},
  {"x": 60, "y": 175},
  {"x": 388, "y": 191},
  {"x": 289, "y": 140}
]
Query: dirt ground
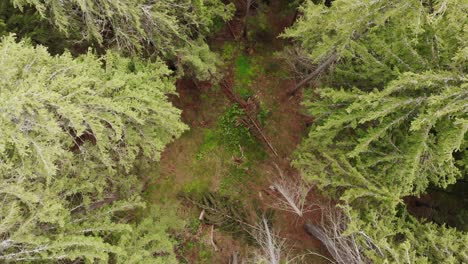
[{"x": 202, "y": 104}]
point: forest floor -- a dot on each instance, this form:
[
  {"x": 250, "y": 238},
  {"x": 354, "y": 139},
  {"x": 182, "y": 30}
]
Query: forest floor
[{"x": 219, "y": 155}]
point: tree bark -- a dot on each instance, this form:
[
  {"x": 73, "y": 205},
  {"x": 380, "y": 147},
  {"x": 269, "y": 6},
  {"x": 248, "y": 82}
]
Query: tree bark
[
  {"x": 98, "y": 204},
  {"x": 321, "y": 68}
]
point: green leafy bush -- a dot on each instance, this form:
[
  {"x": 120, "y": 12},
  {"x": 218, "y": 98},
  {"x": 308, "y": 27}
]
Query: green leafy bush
[{"x": 232, "y": 131}]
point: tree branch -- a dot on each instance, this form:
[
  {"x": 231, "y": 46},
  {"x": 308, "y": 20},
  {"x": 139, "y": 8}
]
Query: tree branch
[{"x": 321, "y": 68}]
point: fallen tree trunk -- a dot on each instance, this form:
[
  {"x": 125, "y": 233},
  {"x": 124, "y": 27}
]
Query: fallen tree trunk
[{"x": 331, "y": 231}]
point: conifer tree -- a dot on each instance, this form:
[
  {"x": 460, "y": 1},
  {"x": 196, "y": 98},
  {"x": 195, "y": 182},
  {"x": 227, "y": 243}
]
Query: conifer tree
[
  {"x": 71, "y": 130},
  {"x": 170, "y": 29},
  {"x": 391, "y": 117}
]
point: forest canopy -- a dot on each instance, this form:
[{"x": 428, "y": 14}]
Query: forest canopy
[
  {"x": 233, "y": 131},
  {"x": 391, "y": 116},
  {"x": 72, "y": 129},
  {"x": 171, "y": 30}
]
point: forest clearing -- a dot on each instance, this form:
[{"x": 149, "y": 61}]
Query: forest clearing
[{"x": 233, "y": 131}]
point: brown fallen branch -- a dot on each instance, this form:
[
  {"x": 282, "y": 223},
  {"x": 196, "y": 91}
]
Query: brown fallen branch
[
  {"x": 344, "y": 248},
  {"x": 202, "y": 214},
  {"x": 255, "y": 122},
  {"x": 231, "y": 30},
  {"x": 227, "y": 89},
  {"x": 212, "y": 240},
  {"x": 321, "y": 68},
  {"x": 233, "y": 259}
]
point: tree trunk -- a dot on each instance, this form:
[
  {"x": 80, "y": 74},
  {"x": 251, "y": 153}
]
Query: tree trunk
[
  {"x": 321, "y": 68},
  {"x": 97, "y": 204},
  {"x": 247, "y": 13}
]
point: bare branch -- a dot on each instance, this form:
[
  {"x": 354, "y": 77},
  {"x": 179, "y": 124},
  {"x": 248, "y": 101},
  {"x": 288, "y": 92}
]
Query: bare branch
[
  {"x": 271, "y": 246},
  {"x": 292, "y": 193},
  {"x": 330, "y": 231},
  {"x": 321, "y": 68}
]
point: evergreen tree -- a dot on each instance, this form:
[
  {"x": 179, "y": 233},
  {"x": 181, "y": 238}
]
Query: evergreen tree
[
  {"x": 375, "y": 41},
  {"x": 71, "y": 130},
  {"x": 29, "y": 24},
  {"x": 391, "y": 117},
  {"x": 169, "y": 29}
]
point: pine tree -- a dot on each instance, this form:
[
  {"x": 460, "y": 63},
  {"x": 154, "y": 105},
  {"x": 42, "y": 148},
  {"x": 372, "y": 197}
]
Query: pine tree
[
  {"x": 391, "y": 117},
  {"x": 168, "y": 29},
  {"x": 372, "y": 42},
  {"x": 71, "y": 130},
  {"x": 29, "y": 24}
]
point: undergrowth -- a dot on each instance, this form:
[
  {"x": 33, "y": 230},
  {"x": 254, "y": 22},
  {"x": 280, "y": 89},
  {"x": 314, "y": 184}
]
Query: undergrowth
[
  {"x": 232, "y": 146},
  {"x": 244, "y": 72}
]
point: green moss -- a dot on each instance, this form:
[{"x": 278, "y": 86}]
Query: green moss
[
  {"x": 210, "y": 141},
  {"x": 244, "y": 70}
]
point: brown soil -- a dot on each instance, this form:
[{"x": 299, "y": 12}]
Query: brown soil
[{"x": 202, "y": 104}]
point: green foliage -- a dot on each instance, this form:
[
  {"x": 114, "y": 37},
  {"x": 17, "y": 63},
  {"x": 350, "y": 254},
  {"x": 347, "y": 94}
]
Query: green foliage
[
  {"x": 71, "y": 132},
  {"x": 150, "y": 238},
  {"x": 244, "y": 72},
  {"x": 409, "y": 130},
  {"x": 133, "y": 22},
  {"x": 233, "y": 133},
  {"x": 391, "y": 117},
  {"x": 29, "y": 24},
  {"x": 229, "y": 50},
  {"x": 403, "y": 239},
  {"x": 169, "y": 29},
  {"x": 227, "y": 154},
  {"x": 377, "y": 40},
  {"x": 201, "y": 61}
]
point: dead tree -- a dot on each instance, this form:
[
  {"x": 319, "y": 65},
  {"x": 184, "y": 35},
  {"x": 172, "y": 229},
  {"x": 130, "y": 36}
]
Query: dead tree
[
  {"x": 330, "y": 231},
  {"x": 292, "y": 193},
  {"x": 271, "y": 246}
]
